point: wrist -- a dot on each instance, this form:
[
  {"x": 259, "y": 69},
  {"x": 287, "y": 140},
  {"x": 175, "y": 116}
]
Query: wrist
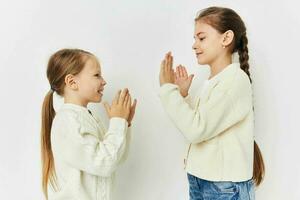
[{"x": 184, "y": 94}]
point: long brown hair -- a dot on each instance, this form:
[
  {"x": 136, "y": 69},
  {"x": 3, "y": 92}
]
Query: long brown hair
[
  {"x": 61, "y": 63},
  {"x": 224, "y": 19}
]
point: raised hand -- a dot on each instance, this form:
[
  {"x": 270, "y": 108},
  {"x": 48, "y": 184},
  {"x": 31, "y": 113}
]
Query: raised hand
[
  {"x": 167, "y": 74},
  {"x": 121, "y": 105},
  {"x": 183, "y": 80},
  {"x": 132, "y": 112}
]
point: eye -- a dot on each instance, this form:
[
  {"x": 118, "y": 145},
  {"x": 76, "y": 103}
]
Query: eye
[
  {"x": 97, "y": 75},
  {"x": 202, "y": 38}
]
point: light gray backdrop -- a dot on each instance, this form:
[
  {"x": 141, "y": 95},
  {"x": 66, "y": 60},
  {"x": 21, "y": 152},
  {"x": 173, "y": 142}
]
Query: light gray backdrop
[{"x": 130, "y": 39}]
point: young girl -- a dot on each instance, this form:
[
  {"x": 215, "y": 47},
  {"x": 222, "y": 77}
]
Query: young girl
[
  {"x": 223, "y": 161},
  {"x": 79, "y": 156}
]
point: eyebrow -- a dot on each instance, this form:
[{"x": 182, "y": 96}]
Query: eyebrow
[
  {"x": 97, "y": 72},
  {"x": 197, "y": 34}
]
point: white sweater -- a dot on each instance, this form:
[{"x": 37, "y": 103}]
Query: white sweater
[
  {"x": 219, "y": 126},
  {"x": 85, "y": 154}
]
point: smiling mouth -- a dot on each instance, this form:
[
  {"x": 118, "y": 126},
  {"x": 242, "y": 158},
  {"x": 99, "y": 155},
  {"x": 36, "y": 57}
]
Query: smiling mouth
[{"x": 100, "y": 91}]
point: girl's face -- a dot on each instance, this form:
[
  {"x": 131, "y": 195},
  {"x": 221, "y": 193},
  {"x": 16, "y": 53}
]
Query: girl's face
[
  {"x": 208, "y": 43},
  {"x": 90, "y": 82}
]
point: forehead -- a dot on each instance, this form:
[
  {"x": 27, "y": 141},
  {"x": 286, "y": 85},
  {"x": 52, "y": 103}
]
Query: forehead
[
  {"x": 202, "y": 27},
  {"x": 92, "y": 65}
]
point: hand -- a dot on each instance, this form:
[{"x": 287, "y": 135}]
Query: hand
[
  {"x": 167, "y": 74},
  {"x": 120, "y": 105},
  {"x": 132, "y": 112},
  {"x": 183, "y": 80}
]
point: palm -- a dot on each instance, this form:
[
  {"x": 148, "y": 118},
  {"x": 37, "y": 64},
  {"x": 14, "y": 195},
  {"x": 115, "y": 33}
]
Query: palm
[{"x": 183, "y": 80}]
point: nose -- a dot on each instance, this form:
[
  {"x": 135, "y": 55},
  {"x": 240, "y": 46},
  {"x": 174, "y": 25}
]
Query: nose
[
  {"x": 104, "y": 82},
  {"x": 194, "y": 46}
]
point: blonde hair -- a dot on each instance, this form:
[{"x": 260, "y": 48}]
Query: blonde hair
[{"x": 61, "y": 63}]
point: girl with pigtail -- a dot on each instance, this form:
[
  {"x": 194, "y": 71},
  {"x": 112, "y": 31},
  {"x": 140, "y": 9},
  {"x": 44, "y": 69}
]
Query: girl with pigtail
[{"x": 79, "y": 156}]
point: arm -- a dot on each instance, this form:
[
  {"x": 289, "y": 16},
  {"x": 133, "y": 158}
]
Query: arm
[
  {"x": 188, "y": 99},
  {"x": 125, "y": 147},
  {"x": 84, "y": 151},
  {"x": 223, "y": 110}
]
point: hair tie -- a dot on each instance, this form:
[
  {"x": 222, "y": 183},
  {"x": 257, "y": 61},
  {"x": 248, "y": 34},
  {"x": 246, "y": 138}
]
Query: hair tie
[{"x": 52, "y": 89}]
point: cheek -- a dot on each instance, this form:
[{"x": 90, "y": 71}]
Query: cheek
[
  {"x": 86, "y": 86},
  {"x": 211, "y": 46}
]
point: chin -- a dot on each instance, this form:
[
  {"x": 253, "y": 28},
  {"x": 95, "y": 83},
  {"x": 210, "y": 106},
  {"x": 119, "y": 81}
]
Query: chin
[
  {"x": 99, "y": 100},
  {"x": 201, "y": 62}
]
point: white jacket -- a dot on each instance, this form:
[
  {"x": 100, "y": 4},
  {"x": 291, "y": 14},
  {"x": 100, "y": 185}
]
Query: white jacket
[
  {"x": 219, "y": 126},
  {"x": 85, "y": 154}
]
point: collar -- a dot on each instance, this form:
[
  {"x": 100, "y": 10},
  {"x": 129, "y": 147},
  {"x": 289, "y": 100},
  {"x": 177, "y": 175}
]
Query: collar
[
  {"x": 74, "y": 107},
  {"x": 228, "y": 70},
  {"x": 226, "y": 74}
]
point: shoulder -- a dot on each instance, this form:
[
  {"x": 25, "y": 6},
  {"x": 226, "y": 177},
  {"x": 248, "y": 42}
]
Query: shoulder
[
  {"x": 76, "y": 121},
  {"x": 66, "y": 118},
  {"x": 240, "y": 91},
  {"x": 238, "y": 82},
  {"x": 66, "y": 114},
  {"x": 241, "y": 83}
]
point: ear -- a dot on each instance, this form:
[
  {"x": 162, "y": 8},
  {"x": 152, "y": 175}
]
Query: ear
[
  {"x": 227, "y": 38},
  {"x": 70, "y": 81}
]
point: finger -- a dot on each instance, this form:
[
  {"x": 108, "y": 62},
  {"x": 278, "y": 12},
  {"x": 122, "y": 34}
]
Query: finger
[
  {"x": 191, "y": 77},
  {"x": 107, "y": 107},
  {"x": 126, "y": 99},
  {"x": 180, "y": 71},
  {"x": 128, "y": 103},
  {"x": 167, "y": 62},
  {"x": 132, "y": 109},
  {"x": 177, "y": 71},
  {"x": 123, "y": 95},
  {"x": 116, "y": 99},
  {"x": 134, "y": 104},
  {"x": 171, "y": 61},
  {"x": 185, "y": 74},
  {"x": 162, "y": 65}
]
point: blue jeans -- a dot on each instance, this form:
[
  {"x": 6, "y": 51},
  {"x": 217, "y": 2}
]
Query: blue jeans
[{"x": 226, "y": 190}]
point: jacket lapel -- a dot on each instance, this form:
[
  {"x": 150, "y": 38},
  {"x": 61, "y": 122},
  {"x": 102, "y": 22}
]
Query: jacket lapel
[
  {"x": 204, "y": 97},
  {"x": 228, "y": 72}
]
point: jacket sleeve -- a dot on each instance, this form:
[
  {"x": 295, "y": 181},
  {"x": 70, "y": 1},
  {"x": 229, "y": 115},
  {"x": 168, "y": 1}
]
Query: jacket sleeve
[
  {"x": 83, "y": 150},
  {"x": 189, "y": 99},
  {"x": 222, "y": 110}
]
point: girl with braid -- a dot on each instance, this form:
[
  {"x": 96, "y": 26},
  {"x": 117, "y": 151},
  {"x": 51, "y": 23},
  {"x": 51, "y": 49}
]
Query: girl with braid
[{"x": 223, "y": 161}]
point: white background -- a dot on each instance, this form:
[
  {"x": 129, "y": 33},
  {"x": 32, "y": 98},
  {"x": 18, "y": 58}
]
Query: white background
[{"x": 130, "y": 38}]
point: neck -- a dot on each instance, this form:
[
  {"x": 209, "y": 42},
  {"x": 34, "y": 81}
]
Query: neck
[
  {"x": 74, "y": 100},
  {"x": 219, "y": 64}
]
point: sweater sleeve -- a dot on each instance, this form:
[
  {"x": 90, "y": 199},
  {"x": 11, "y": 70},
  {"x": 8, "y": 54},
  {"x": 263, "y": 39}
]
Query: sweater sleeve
[
  {"x": 84, "y": 151},
  {"x": 223, "y": 110},
  {"x": 125, "y": 147}
]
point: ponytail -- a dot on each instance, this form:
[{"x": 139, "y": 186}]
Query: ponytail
[
  {"x": 258, "y": 164},
  {"x": 60, "y": 64},
  {"x": 48, "y": 171}
]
